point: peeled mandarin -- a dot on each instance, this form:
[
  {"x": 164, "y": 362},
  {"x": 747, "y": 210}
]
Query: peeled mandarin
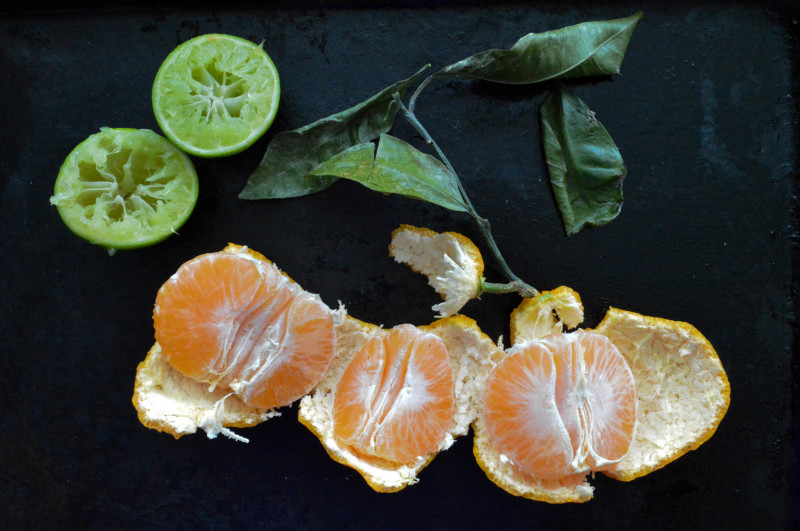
[
  {"x": 236, "y": 321},
  {"x": 396, "y": 399},
  {"x": 562, "y": 405}
]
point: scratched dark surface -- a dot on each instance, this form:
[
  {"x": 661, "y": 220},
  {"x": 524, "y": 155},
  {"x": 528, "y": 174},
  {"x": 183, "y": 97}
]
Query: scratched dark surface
[{"x": 705, "y": 115}]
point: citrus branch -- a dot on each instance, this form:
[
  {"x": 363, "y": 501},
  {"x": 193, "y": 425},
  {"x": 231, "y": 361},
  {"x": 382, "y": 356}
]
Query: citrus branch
[{"x": 515, "y": 284}]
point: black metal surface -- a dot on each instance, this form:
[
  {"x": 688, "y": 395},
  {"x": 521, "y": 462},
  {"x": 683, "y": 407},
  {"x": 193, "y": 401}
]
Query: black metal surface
[{"x": 705, "y": 115}]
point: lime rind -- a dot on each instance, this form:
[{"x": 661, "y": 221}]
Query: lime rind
[
  {"x": 125, "y": 188},
  {"x": 215, "y": 95}
]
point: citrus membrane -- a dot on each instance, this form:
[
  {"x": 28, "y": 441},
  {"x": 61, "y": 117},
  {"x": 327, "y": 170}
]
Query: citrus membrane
[
  {"x": 215, "y": 95},
  {"x": 125, "y": 188}
]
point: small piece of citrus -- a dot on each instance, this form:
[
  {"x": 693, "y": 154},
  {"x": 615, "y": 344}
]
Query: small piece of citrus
[
  {"x": 547, "y": 313},
  {"x": 215, "y": 95},
  {"x": 171, "y": 402},
  {"x": 125, "y": 188}
]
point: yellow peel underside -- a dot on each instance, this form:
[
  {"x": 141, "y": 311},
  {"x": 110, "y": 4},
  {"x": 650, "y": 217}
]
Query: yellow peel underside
[
  {"x": 452, "y": 263},
  {"x": 170, "y": 402},
  {"x": 547, "y": 313},
  {"x": 683, "y": 389},
  {"x": 427, "y": 244}
]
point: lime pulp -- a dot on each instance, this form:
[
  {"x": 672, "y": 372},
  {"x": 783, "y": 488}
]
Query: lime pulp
[
  {"x": 216, "y": 94},
  {"x": 125, "y": 188}
]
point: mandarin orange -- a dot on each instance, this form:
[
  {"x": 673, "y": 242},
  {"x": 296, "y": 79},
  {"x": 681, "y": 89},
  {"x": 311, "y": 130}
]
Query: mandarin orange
[
  {"x": 561, "y": 405},
  {"x": 396, "y": 400},
  {"x": 234, "y": 320}
]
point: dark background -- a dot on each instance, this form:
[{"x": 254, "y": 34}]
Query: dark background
[{"x": 705, "y": 115}]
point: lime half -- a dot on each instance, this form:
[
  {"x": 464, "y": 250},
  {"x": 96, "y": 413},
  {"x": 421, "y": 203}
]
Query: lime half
[
  {"x": 125, "y": 188},
  {"x": 215, "y": 95}
]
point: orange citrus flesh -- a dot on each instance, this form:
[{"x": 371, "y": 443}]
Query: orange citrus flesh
[
  {"x": 396, "y": 398},
  {"x": 236, "y": 321},
  {"x": 562, "y": 405}
]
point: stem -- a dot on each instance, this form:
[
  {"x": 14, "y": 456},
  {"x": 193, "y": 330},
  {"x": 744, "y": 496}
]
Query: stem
[
  {"x": 516, "y": 284},
  {"x": 494, "y": 287},
  {"x": 412, "y": 119},
  {"x": 413, "y": 101},
  {"x": 520, "y": 286}
]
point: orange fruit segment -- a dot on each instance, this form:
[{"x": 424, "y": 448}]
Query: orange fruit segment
[
  {"x": 562, "y": 405},
  {"x": 683, "y": 390},
  {"x": 395, "y": 400},
  {"x": 470, "y": 355},
  {"x": 232, "y": 319}
]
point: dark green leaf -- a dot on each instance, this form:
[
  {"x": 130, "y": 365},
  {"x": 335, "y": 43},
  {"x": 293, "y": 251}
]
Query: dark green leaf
[
  {"x": 586, "y": 49},
  {"x": 397, "y": 168},
  {"x": 293, "y": 155},
  {"x": 354, "y": 164},
  {"x": 402, "y": 169},
  {"x": 586, "y": 168}
]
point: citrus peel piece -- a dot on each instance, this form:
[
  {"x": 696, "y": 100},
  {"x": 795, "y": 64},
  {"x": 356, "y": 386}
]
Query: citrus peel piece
[
  {"x": 170, "y": 402},
  {"x": 683, "y": 390},
  {"x": 682, "y": 395},
  {"x": 234, "y": 320},
  {"x": 452, "y": 263},
  {"x": 550, "y": 312}
]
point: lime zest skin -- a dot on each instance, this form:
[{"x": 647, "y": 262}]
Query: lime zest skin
[
  {"x": 125, "y": 188},
  {"x": 215, "y": 95}
]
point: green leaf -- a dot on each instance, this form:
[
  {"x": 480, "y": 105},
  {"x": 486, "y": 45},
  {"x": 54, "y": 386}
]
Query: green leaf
[
  {"x": 354, "y": 163},
  {"x": 586, "y": 168},
  {"x": 397, "y": 168},
  {"x": 400, "y": 168},
  {"x": 292, "y": 155},
  {"x": 586, "y": 49}
]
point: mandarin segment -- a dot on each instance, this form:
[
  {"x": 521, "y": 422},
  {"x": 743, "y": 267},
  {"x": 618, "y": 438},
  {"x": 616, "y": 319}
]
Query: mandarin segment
[
  {"x": 395, "y": 400},
  {"x": 561, "y": 405},
  {"x": 194, "y": 308},
  {"x": 523, "y": 417},
  {"x": 233, "y": 320}
]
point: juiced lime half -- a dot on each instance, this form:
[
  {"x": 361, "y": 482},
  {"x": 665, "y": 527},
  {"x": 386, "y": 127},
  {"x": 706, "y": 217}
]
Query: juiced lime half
[
  {"x": 215, "y": 95},
  {"x": 125, "y": 188}
]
